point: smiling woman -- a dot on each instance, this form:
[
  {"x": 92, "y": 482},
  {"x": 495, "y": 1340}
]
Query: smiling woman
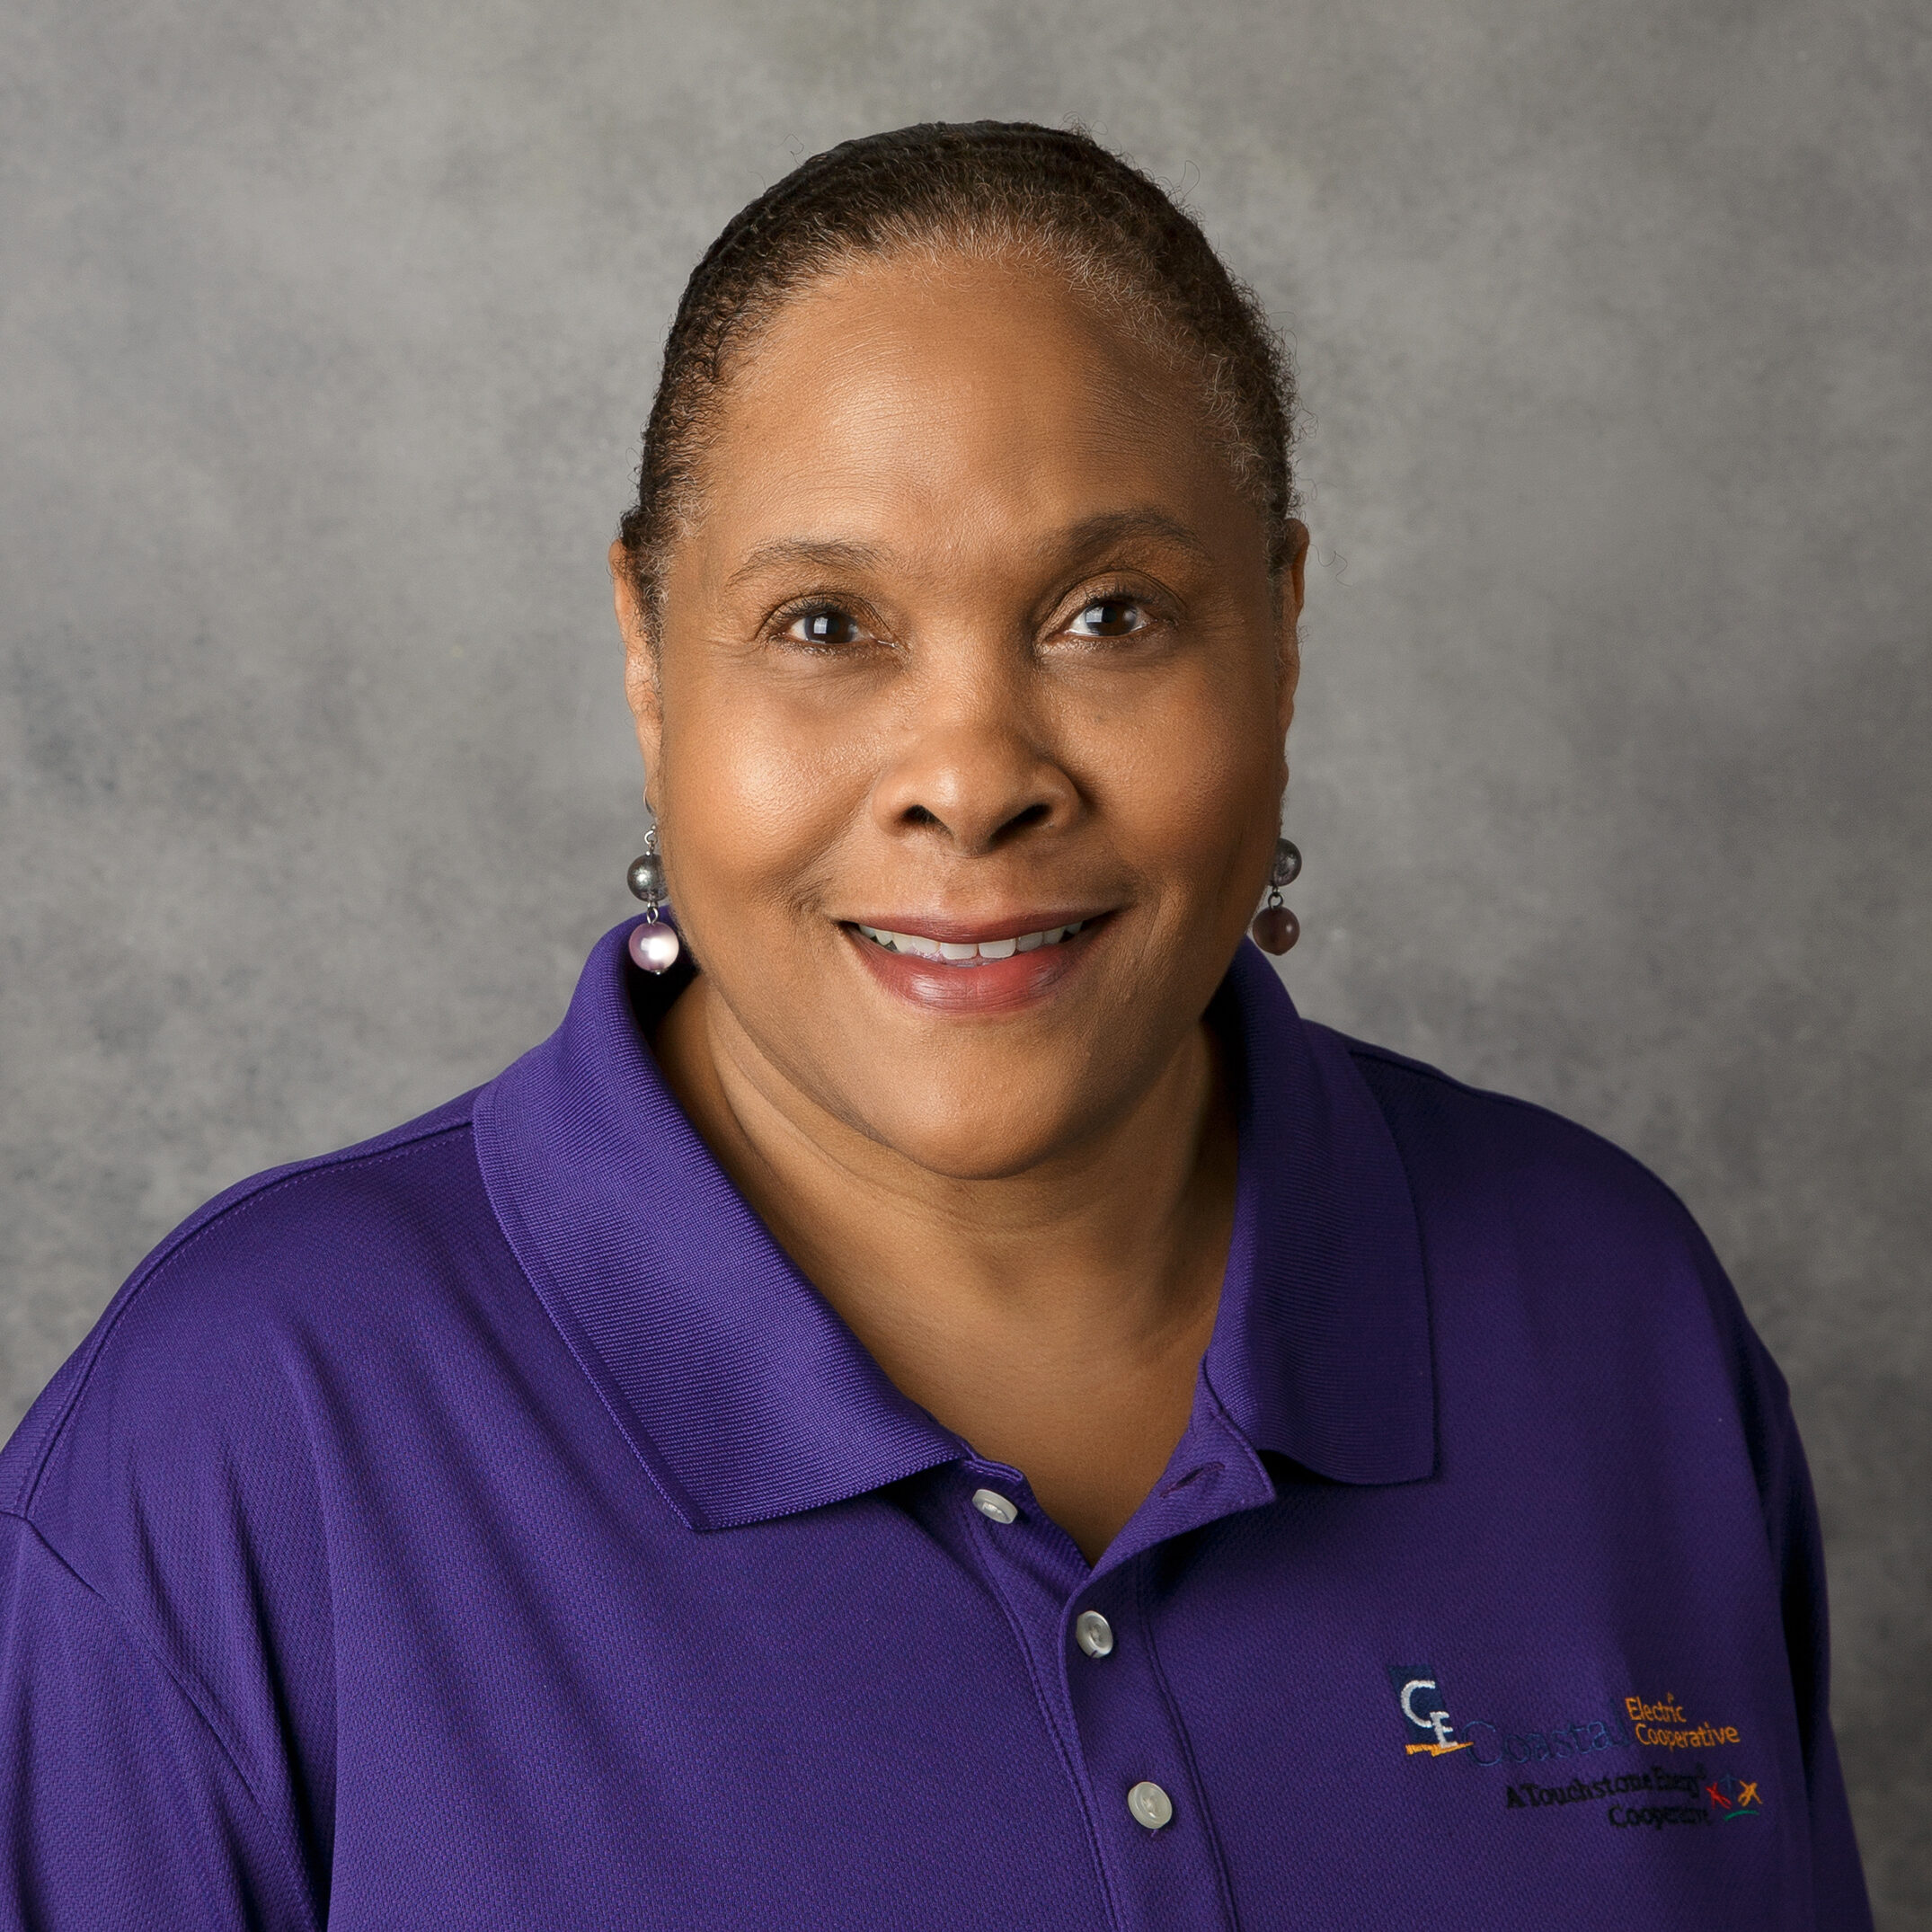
[{"x": 940, "y": 1400}]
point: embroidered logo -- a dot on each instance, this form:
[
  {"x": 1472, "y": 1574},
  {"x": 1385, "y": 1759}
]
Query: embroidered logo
[
  {"x": 1732, "y": 1798},
  {"x": 1425, "y": 1723},
  {"x": 1665, "y": 1723}
]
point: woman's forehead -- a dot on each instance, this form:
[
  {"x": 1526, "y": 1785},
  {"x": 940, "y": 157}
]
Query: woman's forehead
[{"x": 955, "y": 394}]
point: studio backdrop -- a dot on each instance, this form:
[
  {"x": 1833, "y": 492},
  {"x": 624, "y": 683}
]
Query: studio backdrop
[{"x": 326, "y": 332}]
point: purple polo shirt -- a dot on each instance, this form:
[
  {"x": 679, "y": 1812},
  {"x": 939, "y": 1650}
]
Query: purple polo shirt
[{"x": 487, "y": 1527}]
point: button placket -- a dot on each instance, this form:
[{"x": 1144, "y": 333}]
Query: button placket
[
  {"x": 1102, "y": 1691},
  {"x": 1162, "y": 1845},
  {"x": 1034, "y": 1568}
]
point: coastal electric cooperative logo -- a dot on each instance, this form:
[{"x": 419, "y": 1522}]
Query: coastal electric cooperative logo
[
  {"x": 1658, "y": 1795},
  {"x": 1426, "y": 1722}
]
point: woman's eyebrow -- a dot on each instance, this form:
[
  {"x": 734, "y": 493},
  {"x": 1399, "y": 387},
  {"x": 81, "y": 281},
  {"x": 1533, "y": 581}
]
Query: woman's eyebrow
[
  {"x": 1098, "y": 531},
  {"x": 1112, "y": 526},
  {"x": 814, "y": 552}
]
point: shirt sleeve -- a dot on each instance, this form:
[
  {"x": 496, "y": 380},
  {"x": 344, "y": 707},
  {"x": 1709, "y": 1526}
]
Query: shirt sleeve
[
  {"x": 119, "y": 1806},
  {"x": 1797, "y": 1550}
]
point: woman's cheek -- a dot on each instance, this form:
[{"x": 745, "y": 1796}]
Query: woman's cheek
[
  {"x": 763, "y": 800},
  {"x": 1192, "y": 780}
]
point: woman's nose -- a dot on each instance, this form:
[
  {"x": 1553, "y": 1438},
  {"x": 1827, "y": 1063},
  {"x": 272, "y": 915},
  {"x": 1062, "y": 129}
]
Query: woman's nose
[{"x": 975, "y": 776}]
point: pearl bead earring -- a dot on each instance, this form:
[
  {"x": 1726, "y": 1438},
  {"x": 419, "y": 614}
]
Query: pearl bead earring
[
  {"x": 1276, "y": 928},
  {"x": 653, "y": 945}
]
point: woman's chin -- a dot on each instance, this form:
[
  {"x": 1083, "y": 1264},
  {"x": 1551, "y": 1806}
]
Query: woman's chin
[
  {"x": 958, "y": 1138},
  {"x": 986, "y": 1107}
]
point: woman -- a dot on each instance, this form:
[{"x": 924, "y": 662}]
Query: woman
[{"x": 950, "y": 1406}]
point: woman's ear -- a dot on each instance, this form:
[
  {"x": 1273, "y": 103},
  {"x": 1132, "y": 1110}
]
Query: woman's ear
[
  {"x": 1288, "y": 638},
  {"x": 639, "y": 660}
]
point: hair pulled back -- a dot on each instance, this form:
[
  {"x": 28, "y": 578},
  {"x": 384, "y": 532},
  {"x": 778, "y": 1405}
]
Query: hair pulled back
[{"x": 998, "y": 190}]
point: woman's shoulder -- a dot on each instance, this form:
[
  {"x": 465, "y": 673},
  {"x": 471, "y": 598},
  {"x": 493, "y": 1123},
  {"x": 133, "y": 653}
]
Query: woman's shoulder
[
  {"x": 1590, "y": 1256},
  {"x": 198, "y": 1336},
  {"x": 1512, "y": 1197},
  {"x": 1513, "y": 1153},
  {"x": 167, "y": 1503}
]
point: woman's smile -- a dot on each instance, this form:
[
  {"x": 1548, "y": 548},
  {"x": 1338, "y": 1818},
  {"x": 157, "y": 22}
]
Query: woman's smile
[{"x": 985, "y": 967}]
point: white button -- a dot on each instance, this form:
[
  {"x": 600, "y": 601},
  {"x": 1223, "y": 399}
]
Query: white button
[
  {"x": 993, "y": 1506},
  {"x": 1093, "y": 1632},
  {"x": 1150, "y": 1805}
]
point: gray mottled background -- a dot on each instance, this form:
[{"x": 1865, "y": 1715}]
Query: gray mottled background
[{"x": 325, "y": 332}]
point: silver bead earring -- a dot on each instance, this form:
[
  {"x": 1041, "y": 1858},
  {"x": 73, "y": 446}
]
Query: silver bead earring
[
  {"x": 653, "y": 945},
  {"x": 1276, "y": 928}
]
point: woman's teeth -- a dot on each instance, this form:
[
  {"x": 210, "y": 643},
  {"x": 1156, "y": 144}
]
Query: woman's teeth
[{"x": 952, "y": 954}]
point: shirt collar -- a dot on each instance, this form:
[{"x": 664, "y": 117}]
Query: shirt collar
[
  {"x": 1320, "y": 1350},
  {"x": 748, "y": 1398}
]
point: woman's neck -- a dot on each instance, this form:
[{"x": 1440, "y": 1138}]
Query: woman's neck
[{"x": 1056, "y": 1318}]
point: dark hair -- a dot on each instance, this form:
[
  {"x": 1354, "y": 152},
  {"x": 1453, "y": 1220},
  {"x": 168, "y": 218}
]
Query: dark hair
[{"x": 996, "y": 188}]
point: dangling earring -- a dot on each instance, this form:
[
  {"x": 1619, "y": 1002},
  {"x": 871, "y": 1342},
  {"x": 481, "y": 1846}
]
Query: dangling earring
[
  {"x": 1276, "y": 928},
  {"x": 653, "y": 945}
]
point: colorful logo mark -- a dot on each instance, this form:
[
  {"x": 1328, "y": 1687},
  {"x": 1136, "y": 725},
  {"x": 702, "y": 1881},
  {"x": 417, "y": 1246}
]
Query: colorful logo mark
[
  {"x": 1732, "y": 1798},
  {"x": 1425, "y": 1722}
]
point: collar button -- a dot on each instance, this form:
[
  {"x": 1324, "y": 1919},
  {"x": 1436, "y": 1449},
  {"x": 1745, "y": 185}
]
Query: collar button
[{"x": 995, "y": 1507}]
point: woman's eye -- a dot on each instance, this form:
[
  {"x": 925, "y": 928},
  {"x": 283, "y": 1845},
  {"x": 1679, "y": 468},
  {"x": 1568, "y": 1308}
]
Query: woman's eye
[
  {"x": 1110, "y": 617},
  {"x": 826, "y": 627}
]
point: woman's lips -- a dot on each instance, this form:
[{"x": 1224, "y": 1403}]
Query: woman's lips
[
  {"x": 970, "y": 953},
  {"x": 986, "y": 972}
]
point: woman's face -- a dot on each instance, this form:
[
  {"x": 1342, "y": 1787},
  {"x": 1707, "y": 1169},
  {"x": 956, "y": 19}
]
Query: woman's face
[{"x": 973, "y": 643}]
